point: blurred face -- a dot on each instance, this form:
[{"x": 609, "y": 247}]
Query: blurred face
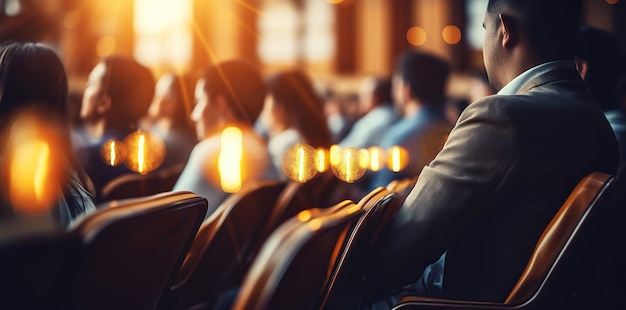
[
  {"x": 92, "y": 106},
  {"x": 272, "y": 115},
  {"x": 398, "y": 92},
  {"x": 200, "y": 114},
  {"x": 163, "y": 103}
]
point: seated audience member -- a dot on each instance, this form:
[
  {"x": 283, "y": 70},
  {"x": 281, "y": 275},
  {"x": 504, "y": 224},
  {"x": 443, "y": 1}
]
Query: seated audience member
[
  {"x": 119, "y": 91},
  {"x": 419, "y": 85},
  {"x": 600, "y": 63},
  {"x": 509, "y": 163},
  {"x": 293, "y": 113},
  {"x": 337, "y": 119},
  {"x": 34, "y": 93},
  {"x": 168, "y": 118},
  {"x": 229, "y": 94},
  {"x": 377, "y": 113}
]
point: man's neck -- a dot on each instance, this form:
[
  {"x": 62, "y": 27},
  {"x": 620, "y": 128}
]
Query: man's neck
[
  {"x": 95, "y": 129},
  {"x": 412, "y": 108}
]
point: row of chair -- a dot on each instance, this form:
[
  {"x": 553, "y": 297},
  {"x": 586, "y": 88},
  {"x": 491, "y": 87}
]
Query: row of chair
[{"x": 272, "y": 247}]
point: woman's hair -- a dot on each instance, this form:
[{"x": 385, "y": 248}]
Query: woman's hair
[
  {"x": 183, "y": 91},
  {"x": 33, "y": 79},
  {"x": 294, "y": 91}
]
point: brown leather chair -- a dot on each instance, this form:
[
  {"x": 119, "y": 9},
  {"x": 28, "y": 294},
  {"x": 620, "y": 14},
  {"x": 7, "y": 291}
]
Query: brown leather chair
[
  {"x": 345, "y": 284},
  {"x": 219, "y": 255},
  {"x": 294, "y": 264},
  {"x": 133, "y": 249},
  {"x": 559, "y": 258}
]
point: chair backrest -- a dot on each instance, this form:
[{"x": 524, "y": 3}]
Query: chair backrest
[
  {"x": 38, "y": 261},
  {"x": 294, "y": 264},
  {"x": 219, "y": 255},
  {"x": 556, "y": 238},
  {"x": 346, "y": 282},
  {"x": 133, "y": 185},
  {"x": 560, "y": 256},
  {"x": 134, "y": 248}
]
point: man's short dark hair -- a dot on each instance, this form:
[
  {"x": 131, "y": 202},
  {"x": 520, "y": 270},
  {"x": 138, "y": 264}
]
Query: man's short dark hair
[
  {"x": 130, "y": 86},
  {"x": 382, "y": 91},
  {"x": 426, "y": 75},
  {"x": 551, "y": 26},
  {"x": 240, "y": 84}
]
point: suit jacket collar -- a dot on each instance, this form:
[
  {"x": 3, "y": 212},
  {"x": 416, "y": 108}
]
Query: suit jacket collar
[{"x": 521, "y": 82}]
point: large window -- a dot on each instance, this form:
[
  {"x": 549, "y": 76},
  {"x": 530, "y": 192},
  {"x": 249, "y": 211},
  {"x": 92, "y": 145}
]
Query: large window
[
  {"x": 162, "y": 33},
  {"x": 295, "y": 32}
]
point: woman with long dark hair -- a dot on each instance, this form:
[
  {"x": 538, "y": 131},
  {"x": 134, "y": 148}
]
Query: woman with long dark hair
[
  {"x": 34, "y": 105},
  {"x": 293, "y": 113}
]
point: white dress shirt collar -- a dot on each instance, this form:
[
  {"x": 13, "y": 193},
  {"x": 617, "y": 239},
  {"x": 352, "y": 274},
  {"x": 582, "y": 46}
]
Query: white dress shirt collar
[{"x": 518, "y": 82}]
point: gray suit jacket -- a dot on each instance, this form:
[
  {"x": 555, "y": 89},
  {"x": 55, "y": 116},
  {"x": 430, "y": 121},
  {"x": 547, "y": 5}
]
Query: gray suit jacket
[{"x": 508, "y": 165}]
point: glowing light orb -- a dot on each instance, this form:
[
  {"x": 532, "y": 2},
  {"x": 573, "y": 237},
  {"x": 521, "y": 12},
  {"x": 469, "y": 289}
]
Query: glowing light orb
[
  {"x": 300, "y": 162},
  {"x": 146, "y": 151},
  {"x": 398, "y": 158},
  {"x": 33, "y": 185},
  {"x": 113, "y": 152},
  {"x": 377, "y": 158},
  {"x": 349, "y": 164},
  {"x": 229, "y": 160},
  {"x": 35, "y": 170},
  {"x": 323, "y": 159}
]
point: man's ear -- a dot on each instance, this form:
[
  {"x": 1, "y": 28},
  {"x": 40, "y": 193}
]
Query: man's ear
[
  {"x": 509, "y": 31},
  {"x": 104, "y": 104}
]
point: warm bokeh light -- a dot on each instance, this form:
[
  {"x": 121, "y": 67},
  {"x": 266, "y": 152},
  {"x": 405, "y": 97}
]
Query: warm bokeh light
[
  {"x": 334, "y": 1},
  {"x": 31, "y": 190},
  {"x": 333, "y": 150},
  {"x": 451, "y": 34},
  {"x": 315, "y": 224},
  {"x": 416, "y": 36},
  {"x": 612, "y": 1},
  {"x": 113, "y": 152},
  {"x": 377, "y": 158},
  {"x": 35, "y": 171},
  {"x": 323, "y": 159},
  {"x": 105, "y": 46},
  {"x": 398, "y": 158},
  {"x": 146, "y": 151},
  {"x": 229, "y": 161},
  {"x": 300, "y": 162},
  {"x": 349, "y": 164},
  {"x": 304, "y": 216}
]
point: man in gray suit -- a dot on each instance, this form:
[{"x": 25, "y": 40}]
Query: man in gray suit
[{"x": 508, "y": 165}]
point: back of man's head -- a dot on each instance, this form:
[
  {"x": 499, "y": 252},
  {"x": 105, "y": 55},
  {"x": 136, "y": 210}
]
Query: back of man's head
[
  {"x": 240, "y": 84},
  {"x": 382, "y": 91},
  {"x": 599, "y": 58},
  {"x": 549, "y": 26},
  {"x": 130, "y": 87},
  {"x": 426, "y": 75}
]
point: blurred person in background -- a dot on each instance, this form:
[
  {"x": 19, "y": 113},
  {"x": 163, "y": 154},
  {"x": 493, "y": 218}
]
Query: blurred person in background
[
  {"x": 376, "y": 113},
  {"x": 229, "y": 95},
  {"x": 34, "y": 108},
  {"x": 293, "y": 113},
  {"x": 599, "y": 60},
  {"x": 118, "y": 93},
  {"x": 169, "y": 118}
]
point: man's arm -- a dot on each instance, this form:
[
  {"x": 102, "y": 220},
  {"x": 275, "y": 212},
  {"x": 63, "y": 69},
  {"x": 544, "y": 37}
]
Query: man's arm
[{"x": 478, "y": 158}]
